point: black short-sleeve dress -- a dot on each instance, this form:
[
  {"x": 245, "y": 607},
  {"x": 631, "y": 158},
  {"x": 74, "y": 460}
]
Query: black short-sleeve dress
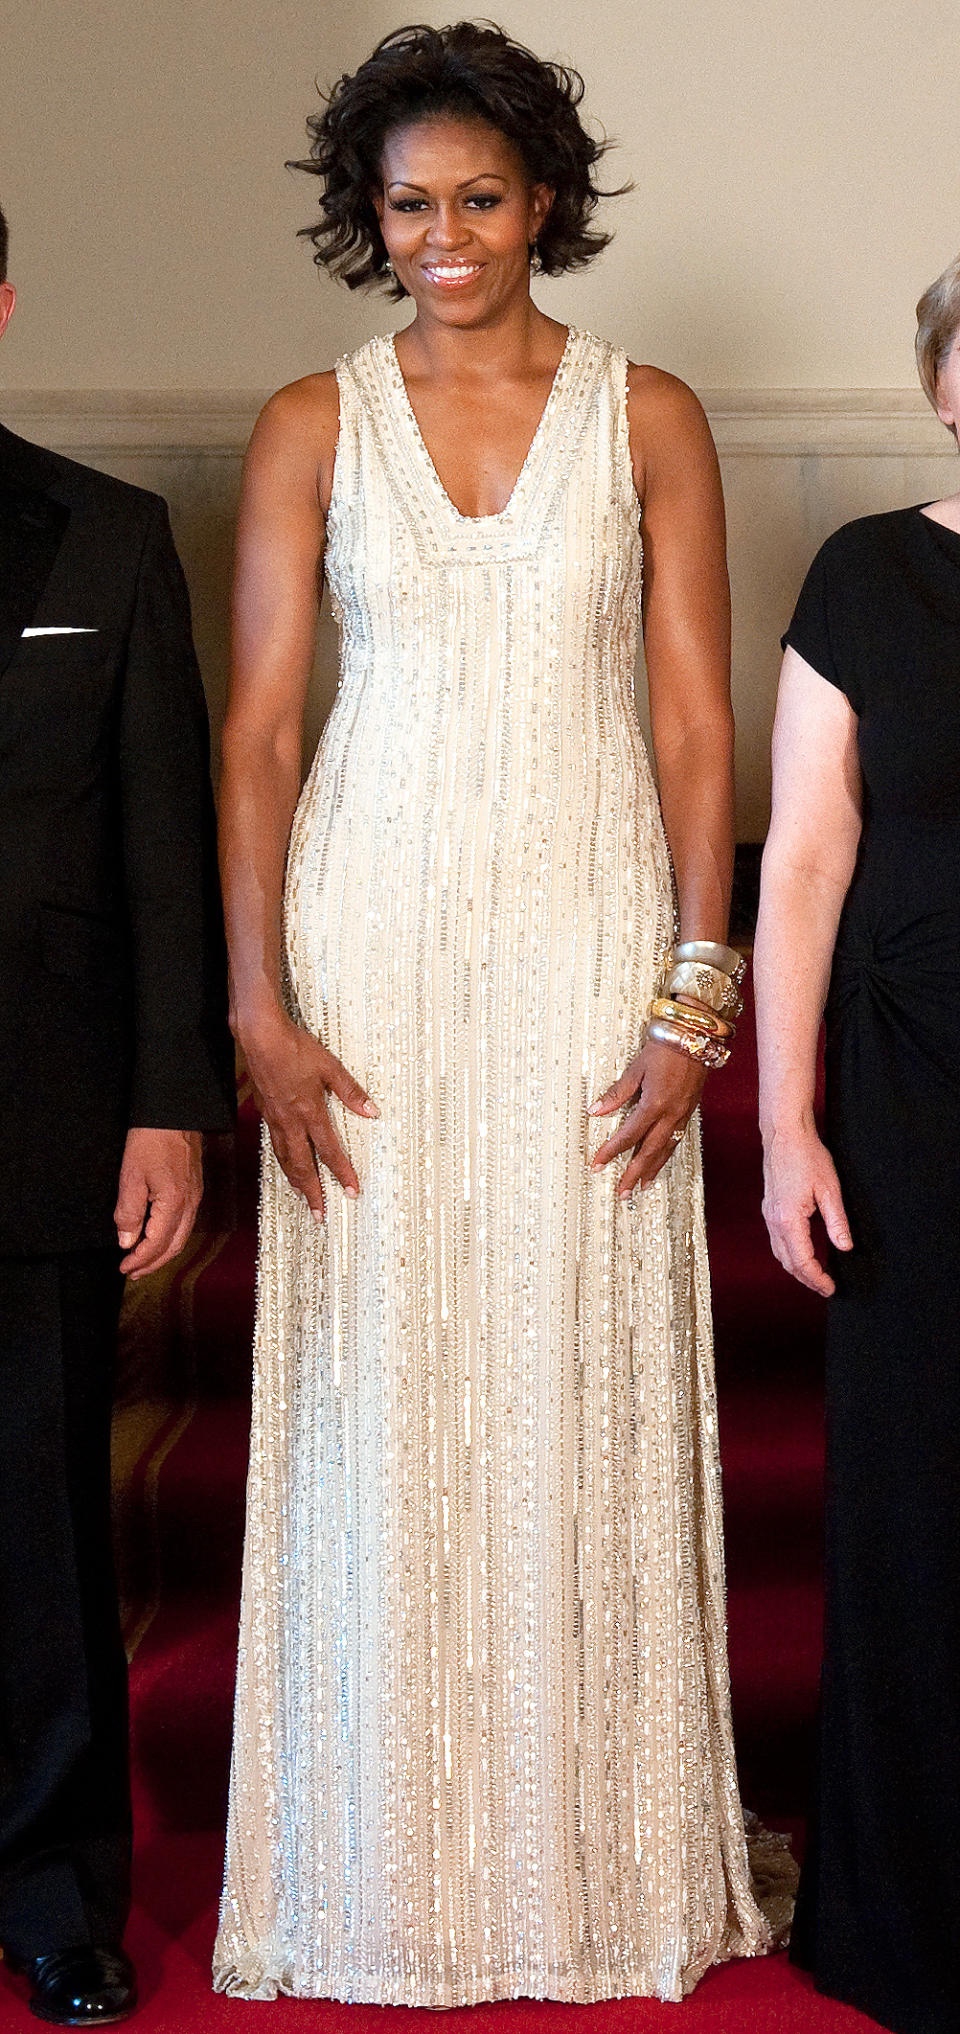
[{"x": 878, "y": 1920}]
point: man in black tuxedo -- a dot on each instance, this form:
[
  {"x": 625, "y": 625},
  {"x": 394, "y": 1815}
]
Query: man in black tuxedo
[{"x": 114, "y": 1056}]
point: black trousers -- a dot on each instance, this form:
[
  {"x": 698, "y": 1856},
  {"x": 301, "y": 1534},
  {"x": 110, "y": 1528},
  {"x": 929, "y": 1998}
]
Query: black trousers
[{"x": 65, "y": 1830}]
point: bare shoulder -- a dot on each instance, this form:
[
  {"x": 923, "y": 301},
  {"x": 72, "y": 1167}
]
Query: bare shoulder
[
  {"x": 311, "y": 404},
  {"x": 670, "y": 438},
  {"x": 664, "y": 408},
  {"x": 297, "y": 429}
]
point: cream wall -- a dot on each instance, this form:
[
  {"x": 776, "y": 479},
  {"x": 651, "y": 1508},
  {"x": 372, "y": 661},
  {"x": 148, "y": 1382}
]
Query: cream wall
[
  {"x": 796, "y": 167},
  {"x": 797, "y": 183}
]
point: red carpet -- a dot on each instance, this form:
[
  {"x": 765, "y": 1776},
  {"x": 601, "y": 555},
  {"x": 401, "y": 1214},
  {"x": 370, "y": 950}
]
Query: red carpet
[{"x": 181, "y": 1523}]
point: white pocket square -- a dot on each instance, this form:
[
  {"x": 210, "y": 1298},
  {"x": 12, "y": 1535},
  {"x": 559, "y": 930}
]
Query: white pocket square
[{"x": 59, "y": 630}]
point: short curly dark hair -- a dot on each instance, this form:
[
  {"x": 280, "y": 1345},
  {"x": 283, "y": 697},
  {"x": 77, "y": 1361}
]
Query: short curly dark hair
[{"x": 473, "y": 70}]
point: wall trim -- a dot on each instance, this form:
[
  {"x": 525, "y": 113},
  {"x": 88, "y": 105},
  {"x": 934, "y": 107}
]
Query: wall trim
[
  {"x": 162, "y": 423},
  {"x": 800, "y": 423},
  {"x": 780, "y": 423}
]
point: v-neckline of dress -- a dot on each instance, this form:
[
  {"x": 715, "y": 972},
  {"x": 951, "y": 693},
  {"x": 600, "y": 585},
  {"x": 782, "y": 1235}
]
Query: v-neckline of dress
[{"x": 534, "y": 449}]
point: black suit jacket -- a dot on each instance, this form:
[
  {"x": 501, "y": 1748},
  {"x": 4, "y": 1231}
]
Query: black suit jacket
[{"x": 112, "y": 965}]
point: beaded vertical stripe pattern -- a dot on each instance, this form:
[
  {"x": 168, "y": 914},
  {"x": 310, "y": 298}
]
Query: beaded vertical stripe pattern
[{"x": 482, "y": 1742}]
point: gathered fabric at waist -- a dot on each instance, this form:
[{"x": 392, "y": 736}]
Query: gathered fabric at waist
[
  {"x": 892, "y": 1008},
  {"x": 901, "y": 919},
  {"x": 894, "y": 992}
]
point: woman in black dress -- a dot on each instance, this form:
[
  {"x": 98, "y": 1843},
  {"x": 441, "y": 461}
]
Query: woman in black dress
[{"x": 860, "y": 912}]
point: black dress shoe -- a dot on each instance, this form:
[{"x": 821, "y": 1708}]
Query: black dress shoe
[{"x": 84, "y": 1987}]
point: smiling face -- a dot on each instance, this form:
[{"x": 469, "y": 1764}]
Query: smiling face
[
  {"x": 948, "y": 386},
  {"x": 458, "y": 216}
]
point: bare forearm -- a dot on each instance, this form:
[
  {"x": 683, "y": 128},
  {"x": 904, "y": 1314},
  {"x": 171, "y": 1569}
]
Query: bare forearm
[
  {"x": 800, "y": 909},
  {"x": 696, "y": 796},
  {"x": 258, "y": 797}
]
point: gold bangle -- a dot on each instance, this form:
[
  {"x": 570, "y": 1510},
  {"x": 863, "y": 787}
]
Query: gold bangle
[
  {"x": 726, "y": 958},
  {"x": 708, "y": 1051},
  {"x": 707, "y": 985},
  {"x": 702, "y": 1020}
]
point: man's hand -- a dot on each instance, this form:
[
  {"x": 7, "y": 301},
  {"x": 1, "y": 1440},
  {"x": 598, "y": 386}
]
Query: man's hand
[{"x": 161, "y": 1181}]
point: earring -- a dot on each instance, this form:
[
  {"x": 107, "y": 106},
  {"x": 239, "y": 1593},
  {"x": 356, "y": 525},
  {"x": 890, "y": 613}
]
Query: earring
[{"x": 388, "y": 265}]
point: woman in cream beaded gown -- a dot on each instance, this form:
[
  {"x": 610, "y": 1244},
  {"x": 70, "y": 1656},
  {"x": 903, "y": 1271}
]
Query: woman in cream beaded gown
[{"x": 482, "y": 1742}]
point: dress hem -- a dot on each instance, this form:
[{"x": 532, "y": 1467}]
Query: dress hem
[{"x": 773, "y": 1873}]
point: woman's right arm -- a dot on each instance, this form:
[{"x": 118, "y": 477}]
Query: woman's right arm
[
  {"x": 280, "y": 539},
  {"x": 808, "y": 863}
]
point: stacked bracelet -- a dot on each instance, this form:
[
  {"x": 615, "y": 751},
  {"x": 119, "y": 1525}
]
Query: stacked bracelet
[
  {"x": 700, "y": 1019},
  {"x": 707, "y": 977},
  {"x": 705, "y": 984},
  {"x": 709, "y": 1051},
  {"x": 725, "y": 958}
]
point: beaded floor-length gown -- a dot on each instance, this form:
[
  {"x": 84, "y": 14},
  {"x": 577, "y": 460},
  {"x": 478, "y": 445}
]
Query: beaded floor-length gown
[{"x": 482, "y": 1744}]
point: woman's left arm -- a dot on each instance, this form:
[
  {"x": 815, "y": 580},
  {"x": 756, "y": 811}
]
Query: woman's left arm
[
  {"x": 686, "y": 634},
  {"x": 686, "y": 628}
]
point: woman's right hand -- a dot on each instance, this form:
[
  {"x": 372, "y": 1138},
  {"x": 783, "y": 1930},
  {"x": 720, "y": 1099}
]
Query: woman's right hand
[
  {"x": 292, "y": 1075},
  {"x": 799, "y": 1178}
]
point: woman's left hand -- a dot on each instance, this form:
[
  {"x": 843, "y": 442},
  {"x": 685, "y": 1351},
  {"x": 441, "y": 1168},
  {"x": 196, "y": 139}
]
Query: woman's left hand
[{"x": 659, "y": 1090}]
